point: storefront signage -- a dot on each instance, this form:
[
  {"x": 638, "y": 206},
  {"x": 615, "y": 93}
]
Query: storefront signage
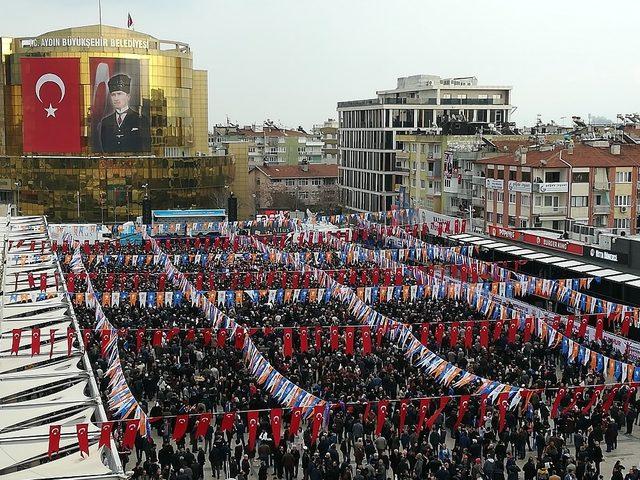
[
  {"x": 494, "y": 184},
  {"x": 87, "y": 42},
  {"x": 606, "y": 255},
  {"x": 553, "y": 187},
  {"x": 531, "y": 239},
  {"x": 524, "y": 187}
]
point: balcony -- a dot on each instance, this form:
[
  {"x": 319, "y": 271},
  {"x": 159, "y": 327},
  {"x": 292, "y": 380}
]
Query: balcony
[
  {"x": 454, "y": 187},
  {"x": 466, "y": 101},
  {"x": 478, "y": 180},
  {"x": 602, "y": 186},
  {"x": 601, "y": 209},
  {"x": 478, "y": 202},
  {"x": 465, "y": 193},
  {"x": 550, "y": 211},
  {"x": 551, "y": 187},
  {"x": 402, "y": 155}
]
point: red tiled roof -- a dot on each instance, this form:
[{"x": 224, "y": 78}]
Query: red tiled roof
[
  {"x": 295, "y": 171},
  {"x": 583, "y": 156}
]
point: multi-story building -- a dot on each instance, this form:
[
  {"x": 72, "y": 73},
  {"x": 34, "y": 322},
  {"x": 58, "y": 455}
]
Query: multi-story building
[
  {"x": 66, "y": 152},
  {"x": 289, "y": 187},
  {"x": 368, "y": 130},
  {"x": 593, "y": 183},
  {"x": 328, "y": 133}
]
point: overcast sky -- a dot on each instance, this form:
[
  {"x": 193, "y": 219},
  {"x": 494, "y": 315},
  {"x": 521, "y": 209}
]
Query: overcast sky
[{"x": 292, "y": 60}]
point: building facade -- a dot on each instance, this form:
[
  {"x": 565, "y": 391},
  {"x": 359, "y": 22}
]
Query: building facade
[
  {"x": 90, "y": 115},
  {"x": 592, "y": 183},
  {"x": 288, "y": 187},
  {"x": 368, "y": 129},
  {"x": 328, "y": 134}
]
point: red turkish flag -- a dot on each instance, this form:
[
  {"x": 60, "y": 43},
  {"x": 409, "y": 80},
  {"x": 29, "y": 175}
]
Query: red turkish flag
[
  {"x": 483, "y": 410},
  {"x": 52, "y": 341},
  {"x": 86, "y": 336},
  {"x": 318, "y": 339},
  {"x": 513, "y": 328},
  {"x": 439, "y": 333},
  {"x": 626, "y": 322},
  {"x": 503, "y": 404},
  {"x": 568, "y": 331},
  {"x": 180, "y": 427},
  {"x": 222, "y": 337},
  {"x": 105, "y": 338},
  {"x": 379, "y": 334},
  {"x": 172, "y": 333},
  {"x": 599, "y": 327},
  {"x": 83, "y": 438},
  {"x": 227, "y": 421},
  {"x": 105, "y": 435},
  {"x": 383, "y": 407},
  {"x": 497, "y": 330},
  {"x": 50, "y": 104},
  {"x": 156, "y": 341},
  {"x": 334, "y": 338},
  {"x": 594, "y": 397},
  {"x": 35, "y": 341},
  {"x": 130, "y": 432},
  {"x": 606, "y": 405},
  {"x": 577, "y": 391},
  {"x": 462, "y": 409},
  {"x": 404, "y": 405},
  {"x": 276, "y": 424},
  {"x": 424, "y": 333},
  {"x": 453, "y": 334},
  {"x": 294, "y": 423},
  {"x": 424, "y": 409},
  {"x": 318, "y": 418},
  {"x": 54, "y": 439},
  {"x": 304, "y": 339},
  {"x": 556, "y": 323},
  {"x": 366, "y": 340},
  {"x": 349, "y": 333},
  {"x": 468, "y": 334},
  {"x": 582, "y": 330},
  {"x": 239, "y": 338},
  {"x": 288, "y": 342},
  {"x": 16, "y": 334},
  {"x": 139, "y": 338},
  {"x": 191, "y": 334},
  {"x": 556, "y": 402},
  {"x": 432, "y": 419},
  {"x": 203, "y": 424},
  {"x": 71, "y": 334},
  {"x": 252, "y": 421},
  {"x": 206, "y": 337}
]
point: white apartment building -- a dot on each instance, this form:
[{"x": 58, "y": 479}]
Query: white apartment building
[{"x": 369, "y": 176}]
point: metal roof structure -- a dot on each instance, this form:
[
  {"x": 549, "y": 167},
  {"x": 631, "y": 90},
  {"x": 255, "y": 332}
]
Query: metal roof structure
[{"x": 51, "y": 388}]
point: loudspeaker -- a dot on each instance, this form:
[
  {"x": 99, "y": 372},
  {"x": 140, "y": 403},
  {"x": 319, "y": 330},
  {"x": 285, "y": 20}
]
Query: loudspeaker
[
  {"x": 232, "y": 209},
  {"x": 146, "y": 211}
]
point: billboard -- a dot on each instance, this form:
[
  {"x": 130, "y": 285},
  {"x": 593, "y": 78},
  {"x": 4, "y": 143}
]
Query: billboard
[
  {"x": 51, "y": 105},
  {"x": 119, "y": 117}
]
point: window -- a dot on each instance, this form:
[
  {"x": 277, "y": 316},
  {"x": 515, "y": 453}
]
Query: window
[
  {"x": 524, "y": 199},
  {"x": 551, "y": 200},
  {"x": 490, "y": 195},
  {"x": 289, "y": 182},
  {"x": 304, "y": 195},
  {"x": 500, "y": 196},
  {"x": 622, "y": 223},
  {"x": 500, "y": 174},
  {"x": 422, "y": 166},
  {"x": 413, "y": 182},
  {"x": 623, "y": 200},
  {"x": 523, "y": 223},
  {"x": 447, "y": 183},
  {"x": 580, "y": 177},
  {"x": 623, "y": 177},
  {"x": 499, "y": 218},
  {"x": 437, "y": 187},
  {"x": 303, "y": 182},
  {"x": 512, "y": 221},
  {"x": 413, "y": 148},
  {"x": 422, "y": 184},
  {"x": 436, "y": 148},
  {"x": 512, "y": 200},
  {"x": 512, "y": 174},
  {"x": 579, "y": 201},
  {"x": 526, "y": 176},
  {"x": 489, "y": 172},
  {"x": 489, "y": 217},
  {"x": 413, "y": 165},
  {"x": 316, "y": 181},
  {"x": 552, "y": 177}
]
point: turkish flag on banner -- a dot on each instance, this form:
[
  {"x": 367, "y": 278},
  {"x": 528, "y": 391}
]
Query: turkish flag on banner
[
  {"x": 304, "y": 339},
  {"x": 626, "y": 322},
  {"x": 156, "y": 341},
  {"x": 318, "y": 339},
  {"x": 556, "y": 402},
  {"x": 528, "y": 323},
  {"x": 130, "y": 432},
  {"x": 366, "y": 339},
  {"x": 577, "y": 391},
  {"x": 191, "y": 334},
  {"x": 334, "y": 338},
  {"x": 239, "y": 338},
  {"x": 86, "y": 336},
  {"x": 294, "y": 423},
  {"x": 83, "y": 438},
  {"x": 227, "y": 421},
  {"x": 453, "y": 334},
  {"x": 349, "y": 334},
  {"x": 105, "y": 435},
  {"x": 513, "y": 328},
  {"x": 71, "y": 334},
  {"x": 462, "y": 409},
  {"x": 468, "y": 334},
  {"x": 206, "y": 337},
  {"x": 203, "y": 424},
  {"x": 556, "y": 323},
  {"x": 424, "y": 333},
  {"x": 432, "y": 419},
  {"x": 568, "y": 331},
  {"x": 318, "y": 418},
  {"x": 222, "y": 337},
  {"x": 35, "y": 341},
  {"x": 483, "y": 410},
  {"x": 383, "y": 408},
  {"x": 276, "y": 424},
  {"x": 174, "y": 331},
  {"x": 105, "y": 338},
  {"x": 16, "y": 334},
  {"x": 139, "y": 338},
  {"x": 599, "y": 327},
  {"x": 379, "y": 334},
  {"x": 503, "y": 404},
  {"x": 422, "y": 414},
  {"x": 439, "y": 333},
  {"x": 50, "y": 105},
  {"x": 404, "y": 405},
  {"x": 54, "y": 439},
  {"x": 180, "y": 427},
  {"x": 288, "y": 342},
  {"x": 497, "y": 330},
  {"x": 594, "y": 398},
  {"x": 606, "y": 405},
  {"x": 52, "y": 341},
  {"x": 252, "y": 422},
  {"x": 582, "y": 330}
]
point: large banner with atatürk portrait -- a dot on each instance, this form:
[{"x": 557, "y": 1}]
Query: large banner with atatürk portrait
[{"x": 119, "y": 119}]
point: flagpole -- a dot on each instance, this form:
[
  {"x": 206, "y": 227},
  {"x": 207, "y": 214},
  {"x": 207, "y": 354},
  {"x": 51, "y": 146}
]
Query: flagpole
[{"x": 100, "y": 15}]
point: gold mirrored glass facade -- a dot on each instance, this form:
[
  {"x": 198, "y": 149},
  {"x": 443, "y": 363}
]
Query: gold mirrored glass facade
[{"x": 179, "y": 171}]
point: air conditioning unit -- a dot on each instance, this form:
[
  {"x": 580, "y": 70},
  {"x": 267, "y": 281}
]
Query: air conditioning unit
[{"x": 623, "y": 209}]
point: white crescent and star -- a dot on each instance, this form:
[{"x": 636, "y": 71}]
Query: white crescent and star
[
  {"x": 82, "y": 431},
  {"x": 50, "y": 78},
  {"x": 55, "y": 431}
]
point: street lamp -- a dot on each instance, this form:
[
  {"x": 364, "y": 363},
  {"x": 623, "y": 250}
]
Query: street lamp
[{"x": 18, "y": 184}]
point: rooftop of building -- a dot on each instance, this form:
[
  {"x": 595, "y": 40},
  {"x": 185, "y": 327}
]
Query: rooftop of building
[
  {"x": 299, "y": 171},
  {"x": 431, "y": 82},
  {"x": 253, "y": 132},
  {"x": 581, "y": 155}
]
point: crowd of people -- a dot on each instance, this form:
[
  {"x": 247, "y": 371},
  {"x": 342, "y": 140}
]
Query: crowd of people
[{"x": 182, "y": 375}]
